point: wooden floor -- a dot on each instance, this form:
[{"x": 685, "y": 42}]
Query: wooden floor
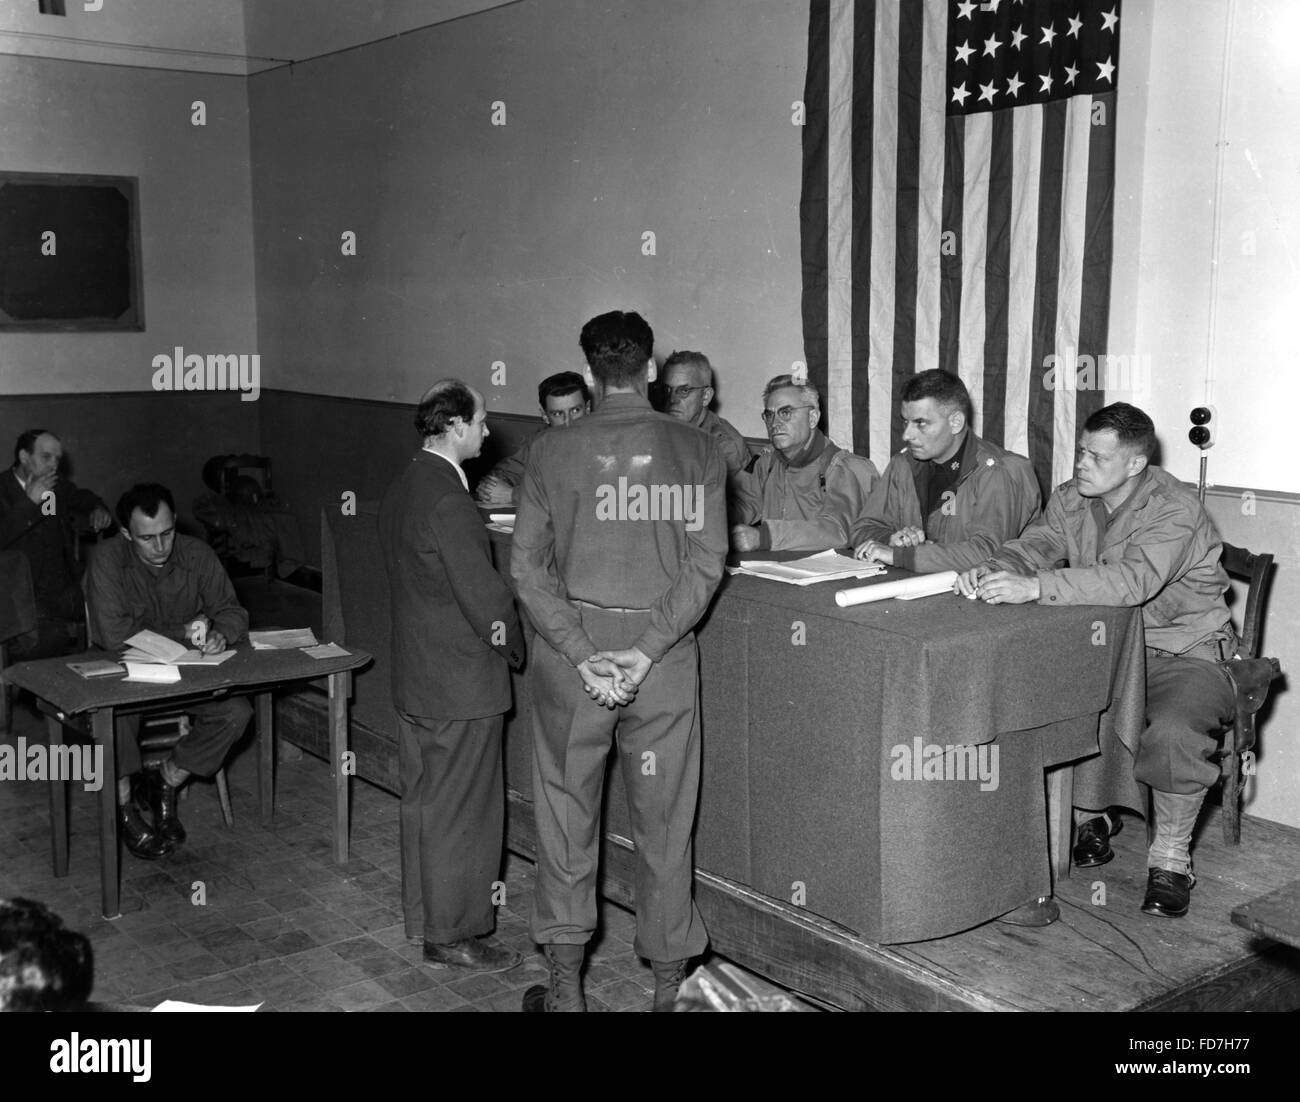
[{"x": 1098, "y": 957}]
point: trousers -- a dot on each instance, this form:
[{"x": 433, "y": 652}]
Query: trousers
[
  {"x": 452, "y": 819},
  {"x": 1189, "y": 700},
  {"x": 216, "y": 727},
  {"x": 658, "y": 739}
]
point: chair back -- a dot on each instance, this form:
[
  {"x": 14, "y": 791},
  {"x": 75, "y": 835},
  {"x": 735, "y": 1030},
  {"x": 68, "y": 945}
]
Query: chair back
[{"x": 1256, "y": 571}]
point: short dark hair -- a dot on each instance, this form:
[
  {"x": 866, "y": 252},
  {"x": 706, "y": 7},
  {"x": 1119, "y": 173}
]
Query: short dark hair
[
  {"x": 561, "y": 385},
  {"x": 943, "y": 386},
  {"x": 43, "y": 967},
  {"x": 27, "y": 441},
  {"x": 618, "y": 346},
  {"x": 443, "y": 403},
  {"x": 145, "y": 496},
  {"x": 1133, "y": 428}
]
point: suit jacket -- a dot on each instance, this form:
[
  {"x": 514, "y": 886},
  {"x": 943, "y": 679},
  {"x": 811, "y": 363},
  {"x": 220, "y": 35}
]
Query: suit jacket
[
  {"x": 454, "y": 622},
  {"x": 48, "y": 541}
]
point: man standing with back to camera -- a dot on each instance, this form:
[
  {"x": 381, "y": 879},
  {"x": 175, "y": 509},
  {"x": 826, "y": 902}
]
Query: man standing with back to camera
[{"x": 618, "y": 548}]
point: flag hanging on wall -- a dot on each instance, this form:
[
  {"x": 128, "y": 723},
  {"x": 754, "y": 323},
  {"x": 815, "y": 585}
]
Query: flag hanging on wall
[{"x": 958, "y": 180}]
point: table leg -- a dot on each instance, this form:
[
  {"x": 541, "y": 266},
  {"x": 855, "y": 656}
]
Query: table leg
[
  {"x": 1060, "y": 819},
  {"x": 102, "y": 729},
  {"x": 58, "y": 801},
  {"x": 340, "y": 688},
  {"x": 265, "y": 707}
]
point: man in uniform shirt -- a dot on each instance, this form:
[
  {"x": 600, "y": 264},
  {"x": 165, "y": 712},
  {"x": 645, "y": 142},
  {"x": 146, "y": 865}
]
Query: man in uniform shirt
[
  {"x": 1132, "y": 534},
  {"x": 618, "y": 547},
  {"x": 455, "y": 635},
  {"x": 155, "y": 580},
  {"x": 804, "y": 492},
  {"x": 688, "y": 384},
  {"x": 949, "y": 499},
  {"x": 41, "y": 515},
  {"x": 565, "y": 400}
]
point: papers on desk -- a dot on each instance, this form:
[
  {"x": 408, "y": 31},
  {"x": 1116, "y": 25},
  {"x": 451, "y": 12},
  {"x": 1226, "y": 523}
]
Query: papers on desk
[
  {"x": 285, "y": 639},
  {"x": 501, "y": 522},
  {"x": 175, "y": 1006},
  {"x": 100, "y": 668},
  {"x": 149, "y": 646},
  {"x": 825, "y": 566},
  {"x": 327, "y": 650},
  {"x": 904, "y": 589},
  {"x": 154, "y": 673}
]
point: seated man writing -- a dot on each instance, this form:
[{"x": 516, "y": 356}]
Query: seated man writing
[
  {"x": 1132, "y": 534},
  {"x": 174, "y": 585},
  {"x": 564, "y": 399},
  {"x": 804, "y": 492},
  {"x": 41, "y": 515},
  {"x": 949, "y": 499}
]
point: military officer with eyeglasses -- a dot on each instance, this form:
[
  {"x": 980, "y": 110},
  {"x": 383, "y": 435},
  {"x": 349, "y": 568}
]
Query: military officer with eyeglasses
[
  {"x": 688, "y": 389},
  {"x": 804, "y": 492}
]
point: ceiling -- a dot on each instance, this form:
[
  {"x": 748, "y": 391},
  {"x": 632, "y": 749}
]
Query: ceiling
[{"x": 237, "y": 37}]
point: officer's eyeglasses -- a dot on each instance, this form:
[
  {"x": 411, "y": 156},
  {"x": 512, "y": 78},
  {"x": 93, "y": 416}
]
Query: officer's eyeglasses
[
  {"x": 681, "y": 393},
  {"x": 781, "y": 416}
]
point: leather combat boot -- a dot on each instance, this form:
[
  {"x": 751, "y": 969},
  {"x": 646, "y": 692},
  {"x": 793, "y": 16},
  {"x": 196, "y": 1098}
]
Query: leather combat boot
[
  {"x": 564, "y": 993},
  {"x": 140, "y": 838},
  {"x": 163, "y": 798},
  {"x": 668, "y": 978},
  {"x": 1169, "y": 860}
]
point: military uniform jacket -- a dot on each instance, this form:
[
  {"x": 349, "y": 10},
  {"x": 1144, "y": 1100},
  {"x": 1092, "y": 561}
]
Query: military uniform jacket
[
  {"x": 1160, "y": 550},
  {"x": 625, "y": 509},
  {"x": 454, "y": 622},
  {"x": 808, "y": 508},
  {"x": 995, "y": 499}
]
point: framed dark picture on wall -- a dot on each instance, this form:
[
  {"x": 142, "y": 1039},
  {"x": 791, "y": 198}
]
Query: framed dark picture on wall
[{"x": 69, "y": 252}]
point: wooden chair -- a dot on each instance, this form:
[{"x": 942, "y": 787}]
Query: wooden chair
[{"x": 1250, "y": 676}]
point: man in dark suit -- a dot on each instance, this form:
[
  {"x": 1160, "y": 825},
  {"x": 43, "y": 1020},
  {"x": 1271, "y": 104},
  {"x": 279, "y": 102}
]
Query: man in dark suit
[
  {"x": 41, "y": 515},
  {"x": 455, "y": 633},
  {"x": 618, "y": 549}
]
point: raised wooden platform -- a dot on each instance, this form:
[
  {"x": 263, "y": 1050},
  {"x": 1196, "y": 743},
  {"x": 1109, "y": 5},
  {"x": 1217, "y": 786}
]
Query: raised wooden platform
[{"x": 1104, "y": 956}]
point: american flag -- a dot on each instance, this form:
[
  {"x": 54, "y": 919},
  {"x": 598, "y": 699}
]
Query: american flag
[{"x": 956, "y": 212}]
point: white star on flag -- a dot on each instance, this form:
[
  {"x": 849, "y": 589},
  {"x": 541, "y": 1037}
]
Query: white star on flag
[
  {"x": 1105, "y": 69},
  {"x": 1047, "y": 84},
  {"x": 966, "y": 9},
  {"x": 1017, "y": 37},
  {"x": 987, "y": 91},
  {"x": 959, "y": 94},
  {"x": 1070, "y": 73},
  {"x": 964, "y": 51},
  {"x": 1075, "y": 26},
  {"x": 1108, "y": 20},
  {"x": 991, "y": 46},
  {"x": 1049, "y": 33},
  {"x": 1014, "y": 84}
]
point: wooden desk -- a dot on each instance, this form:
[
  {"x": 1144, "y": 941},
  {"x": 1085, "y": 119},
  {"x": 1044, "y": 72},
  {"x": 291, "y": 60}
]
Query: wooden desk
[
  {"x": 89, "y": 707},
  {"x": 1275, "y": 915}
]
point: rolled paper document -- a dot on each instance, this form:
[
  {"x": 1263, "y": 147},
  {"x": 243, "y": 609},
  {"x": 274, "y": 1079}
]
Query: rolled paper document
[{"x": 926, "y": 585}]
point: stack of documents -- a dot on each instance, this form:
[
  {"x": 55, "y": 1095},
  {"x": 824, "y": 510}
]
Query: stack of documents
[
  {"x": 284, "y": 639},
  {"x": 501, "y": 522},
  {"x": 905, "y": 589},
  {"x": 149, "y": 646},
  {"x": 825, "y": 566}
]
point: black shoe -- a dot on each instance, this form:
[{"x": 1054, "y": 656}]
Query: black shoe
[
  {"x": 163, "y": 798},
  {"x": 668, "y": 980},
  {"x": 1168, "y": 893},
  {"x": 471, "y": 954},
  {"x": 1092, "y": 842},
  {"x": 141, "y": 839}
]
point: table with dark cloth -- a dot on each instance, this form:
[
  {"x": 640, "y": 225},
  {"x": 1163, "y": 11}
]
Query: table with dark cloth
[{"x": 797, "y": 800}]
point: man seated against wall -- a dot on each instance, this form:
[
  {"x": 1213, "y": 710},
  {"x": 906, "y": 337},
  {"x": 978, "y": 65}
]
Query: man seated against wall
[
  {"x": 154, "y": 579},
  {"x": 1132, "y": 534},
  {"x": 564, "y": 399},
  {"x": 804, "y": 492},
  {"x": 949, "y": 499},
  {"x": 42, "y": 515},
  {"x": 688, "y": 391}
]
